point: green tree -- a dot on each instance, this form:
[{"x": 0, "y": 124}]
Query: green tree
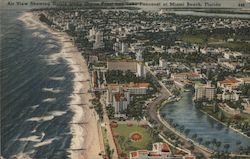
[{"x": 110, "y": 111}]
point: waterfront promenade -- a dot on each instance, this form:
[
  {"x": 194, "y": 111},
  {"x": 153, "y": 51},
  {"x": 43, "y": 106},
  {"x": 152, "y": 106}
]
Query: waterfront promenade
[{"x": 153, "y": 109}]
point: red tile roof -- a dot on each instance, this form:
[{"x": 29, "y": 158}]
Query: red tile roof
[
  {"x": 229, "y": 81},
  {"x": 118, "y": 96},
  {"x": 165, "y": 147},
  {"x": 134, "y": 153},
  {"x": 180, "y": 152},
  {"x": 189, "y": 157}
]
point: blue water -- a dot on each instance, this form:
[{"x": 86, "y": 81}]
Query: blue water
[
  {"x": 184, "y": 113},
  {"x": 24, "y": 73}
]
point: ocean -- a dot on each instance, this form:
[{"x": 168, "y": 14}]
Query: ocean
[{"x": 35, "y": 92}]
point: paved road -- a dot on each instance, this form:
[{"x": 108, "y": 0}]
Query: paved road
[
  {"x": 153, "y": 113},
  {"x": 107, "y": 124}
]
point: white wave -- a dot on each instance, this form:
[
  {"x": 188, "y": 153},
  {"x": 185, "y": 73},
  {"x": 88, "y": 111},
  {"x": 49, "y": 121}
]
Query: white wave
[
  {"x": 43, "y": 118},
  {"x": 53, "y": 90},
  {"x": 39, "y": 35},
  {"x": 52, "y": 63},
  {"x": 45, "y": 142},
  {"x": 57, "y": 78},
  {"x": 43, "y": 134},
  {"x": 49, "y": 117},
  {"x": 21, "y": 156},
  {"x": 33, "y": 131},
  {"x": 33, "y": 138},
  {"x": 34, "y": 106},
  {"x": 49, "y": 100},
  {"x": 51, "y": 46},
  {"x": 58, "y": 113}
]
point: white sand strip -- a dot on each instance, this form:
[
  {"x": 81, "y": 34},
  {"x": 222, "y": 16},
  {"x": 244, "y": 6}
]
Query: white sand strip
[{"x": 91, "y": 143}]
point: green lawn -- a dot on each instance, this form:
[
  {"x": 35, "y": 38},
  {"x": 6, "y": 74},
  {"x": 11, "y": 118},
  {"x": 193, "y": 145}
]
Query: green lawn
[
  {"x": 215, "y": 40},
  {"x": 126, "y": 144},
  {"x": 197, "y": 39},
  {"x": 239, "y": 46},
  {"x": 104, "y": 134}
]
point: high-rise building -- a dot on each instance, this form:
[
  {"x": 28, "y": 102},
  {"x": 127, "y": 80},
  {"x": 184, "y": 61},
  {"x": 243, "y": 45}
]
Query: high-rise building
[
  {"x": 124, "y": 48},
  {"x": 120, "y": 47},
  {"x": 121, "y": 101},
  {"x": 141, "y": 71},
  {"x": 98, "y": 40},
  {"x": 92, "y": 33},
  {"x": 162, "y": 63},
  {"x": 204, "y": 91},
  {"x": 139, "y": 56}
]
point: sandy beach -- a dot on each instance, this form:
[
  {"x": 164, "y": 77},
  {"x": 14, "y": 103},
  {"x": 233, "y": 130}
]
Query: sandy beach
[{"x": 86, "y": 141}]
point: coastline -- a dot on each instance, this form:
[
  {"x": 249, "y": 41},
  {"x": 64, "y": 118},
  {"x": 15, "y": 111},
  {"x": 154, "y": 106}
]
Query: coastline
[{"x": 85, "y": 142}]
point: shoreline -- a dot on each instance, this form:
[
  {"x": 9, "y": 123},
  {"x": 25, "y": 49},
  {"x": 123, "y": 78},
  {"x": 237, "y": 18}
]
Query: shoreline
[
  {"x": 85, "y": 142},
  {"x": 165, "y": 123},
  {"x": 230, "y": 127},
  {"x": 205, "y": 113}
]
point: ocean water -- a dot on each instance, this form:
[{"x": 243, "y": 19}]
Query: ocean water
[{"x": 35, "y": 92}]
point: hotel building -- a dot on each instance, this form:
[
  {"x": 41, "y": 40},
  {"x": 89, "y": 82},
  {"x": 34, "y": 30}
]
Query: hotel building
[{"x": 204, "y": 91}]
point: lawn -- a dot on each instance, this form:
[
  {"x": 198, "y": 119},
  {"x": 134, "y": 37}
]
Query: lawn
[
  {"x": 197, "y": 39},
  {"x": 123, "y": 140},
  {"x": 216, "y": 40}
]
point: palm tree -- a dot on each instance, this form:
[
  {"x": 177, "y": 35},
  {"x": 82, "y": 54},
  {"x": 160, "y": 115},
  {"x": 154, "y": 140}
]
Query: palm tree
[
  {"x": 218, "y": 144},
  {"x": 194, "y": 136},
  {"x": 226, "y": 146},
  {"x": 200, "y": 139},
  {"x": 214, "y": 141},
  {"x": 238, "y": 142}
]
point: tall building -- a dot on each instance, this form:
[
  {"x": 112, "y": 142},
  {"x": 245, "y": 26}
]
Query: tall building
[
  {"x": 121, "y": 100},
  {"x": 118, "y": 95},
  {"x": 204, "y": 91},
  {"x": 120, "y": 47},
  {"x": 141, "y": 71},
  {"x": 139, "y": 56},
  {"x": 162, "y": 63},
  {"x": 124, "y": 48},
  {"x": 92, "y": 33},
  {"x": 98, "y": 40}
]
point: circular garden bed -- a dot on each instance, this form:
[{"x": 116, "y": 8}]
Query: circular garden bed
[{"x": 136, "y": 136}]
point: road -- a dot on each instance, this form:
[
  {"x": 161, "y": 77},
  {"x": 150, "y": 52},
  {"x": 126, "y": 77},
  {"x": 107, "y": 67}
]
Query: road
[
  {"x": 153, "y": 113},
  {"x": 107, "y": 125}
]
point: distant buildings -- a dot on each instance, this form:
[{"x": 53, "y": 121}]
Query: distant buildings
[
  {"x": 93, "y": 59},
  {"x": 139, "y": 56},
  {"x": 125, "y": 65},
  {"x": 119, "y": 95},
  {"x": 186, "y": 76},
  {"x": 92, "y": 33},
  {"x": 120, "y": 47},
  {"x": 162, "y": 63},
  {"x": 230, "y": 96},
  {"x": 159, "y": 151},
  {"x": 96, "y": 36},
  {"x": 204, "y": 91},
  {"x": 229, "y": 84},
  {"x": 229, "y": 89},
  {"x": 98, "y": 40},
  {"x": 141, "y": 71},
  {"x": 122, "y": 65},
  {"x": 120, "y": 101}
]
